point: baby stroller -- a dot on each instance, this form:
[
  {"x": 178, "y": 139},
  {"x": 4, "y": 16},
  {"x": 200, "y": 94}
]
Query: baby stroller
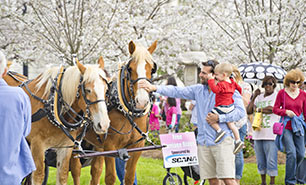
[{"x": 191, "y": 176}]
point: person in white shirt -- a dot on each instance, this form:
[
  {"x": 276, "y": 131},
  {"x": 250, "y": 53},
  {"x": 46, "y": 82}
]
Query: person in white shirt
[{"x": 265, "y": 148}]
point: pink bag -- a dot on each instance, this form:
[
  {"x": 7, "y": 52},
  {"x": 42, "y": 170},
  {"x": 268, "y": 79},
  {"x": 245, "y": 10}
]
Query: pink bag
[{"x": 278, "y": 128}]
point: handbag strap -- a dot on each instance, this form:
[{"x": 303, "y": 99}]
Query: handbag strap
[{"x": 284, "y": 104}]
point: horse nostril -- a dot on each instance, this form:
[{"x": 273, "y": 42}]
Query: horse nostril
[
  {"x": 137, "y": 101},
  {"x": 99, "y": 126}
]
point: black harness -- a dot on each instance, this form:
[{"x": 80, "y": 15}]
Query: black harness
[
  {"x": 55, "y": 103},
  {"x": 118, "y": 100}
]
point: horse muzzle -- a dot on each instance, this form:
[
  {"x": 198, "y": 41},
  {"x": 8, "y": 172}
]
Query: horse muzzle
[{"x": 142, "y": 99}]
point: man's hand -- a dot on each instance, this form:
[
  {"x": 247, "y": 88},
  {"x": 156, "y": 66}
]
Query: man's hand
[
  {"x": 146, "y": 85},
  {"x": 212, "y": 118}
]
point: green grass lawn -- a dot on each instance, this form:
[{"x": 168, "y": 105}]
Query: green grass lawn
[{"x": 151, "y": 172}]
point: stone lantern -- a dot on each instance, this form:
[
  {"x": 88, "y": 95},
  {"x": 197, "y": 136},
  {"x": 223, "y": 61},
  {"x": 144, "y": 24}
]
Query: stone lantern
[{"x": 191, "y": 60}]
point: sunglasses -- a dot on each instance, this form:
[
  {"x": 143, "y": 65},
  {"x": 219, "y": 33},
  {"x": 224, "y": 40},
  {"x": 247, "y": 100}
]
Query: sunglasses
[
  {"x": 294, "y": 82},
  {"x": 209, "y": 63},
  {"x": 269, "y": 83}
]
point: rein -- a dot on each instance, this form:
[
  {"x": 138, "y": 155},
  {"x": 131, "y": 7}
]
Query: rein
[
  {"x": 119, "y": 100},
  {"x": 14, "y": 75}
]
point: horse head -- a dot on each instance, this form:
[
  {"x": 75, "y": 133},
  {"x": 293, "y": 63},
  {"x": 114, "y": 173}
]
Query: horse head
[
  {"x": 141, "y": 66},
  {"x": 93, "y": 88}
]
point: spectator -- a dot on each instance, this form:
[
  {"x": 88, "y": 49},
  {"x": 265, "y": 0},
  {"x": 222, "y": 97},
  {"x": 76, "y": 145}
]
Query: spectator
[
  {"x": 216, "y": 161},
  {"x": 171, "y": 119},
  {"x": 303, "y": 86},
  {"x": 291, "y": 105},
  {"x": 301, "y": 175},
  {"x": 171, "y": 81},
  {"x": 224, "y": 87},
  {"x": 120, "y": 170},
  {"x": 193, "y": 109},
  {"x": 154, "y": 116},
  {"x": 241, "y": 124},
  {"x": 265, "y": 148},
  {"x": 16, "y": 160}
]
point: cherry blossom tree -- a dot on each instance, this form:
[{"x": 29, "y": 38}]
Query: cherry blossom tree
[{"x": 238, "y": 31}]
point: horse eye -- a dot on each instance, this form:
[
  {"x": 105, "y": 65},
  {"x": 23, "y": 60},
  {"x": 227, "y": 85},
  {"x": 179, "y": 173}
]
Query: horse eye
[{"x": 88, "y": 91}]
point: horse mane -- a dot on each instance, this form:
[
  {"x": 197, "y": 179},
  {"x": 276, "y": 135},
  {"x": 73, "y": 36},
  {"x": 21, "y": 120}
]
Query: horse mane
[
  {"x": 70, "y": 81},
  {"x": 142, "y": 54}
]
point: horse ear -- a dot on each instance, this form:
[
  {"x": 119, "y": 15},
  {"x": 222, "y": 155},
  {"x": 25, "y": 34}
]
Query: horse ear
[
  {"x": 81, "y": 67},
  {"x": 101, "y": 62},
  {"x": 132, "y": 47},
  {"x": 152, "y": 47},
  {"x": 9, "y": 63}
]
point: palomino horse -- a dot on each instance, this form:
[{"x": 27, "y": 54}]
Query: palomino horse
[
  {"x": 128, "y": 115},
  {"x": 82, "y": 88}
]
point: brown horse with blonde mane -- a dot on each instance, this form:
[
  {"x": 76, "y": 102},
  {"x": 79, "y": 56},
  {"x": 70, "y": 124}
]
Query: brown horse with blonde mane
[
  {"x": 82, "y": 88},
  {"x": 128, "y": 117}
]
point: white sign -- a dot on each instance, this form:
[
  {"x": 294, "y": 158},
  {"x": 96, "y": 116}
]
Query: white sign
[{"x": 180, "y": 150}]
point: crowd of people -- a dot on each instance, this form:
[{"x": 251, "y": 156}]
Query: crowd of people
[
  {"x": 221, "y": 111},
  {"x": 220, "y": 105}
]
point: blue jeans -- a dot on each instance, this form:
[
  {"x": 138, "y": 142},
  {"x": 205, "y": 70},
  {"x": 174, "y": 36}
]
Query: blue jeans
[
  {"x": 178, "y": 117},
  {"x": 266, "y": 157},
  {"x": 295, "y": 151},
  {"x": 301, "y": 175},
  {"x": 120, "y": 169},
  {"x": 239, "y": 162}
]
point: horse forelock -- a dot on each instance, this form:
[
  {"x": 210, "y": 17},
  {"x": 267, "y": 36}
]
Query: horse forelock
[
  {"x": 141, "y": 54},
  {"x": 70, "y": 84},
  {"x": 71, "y": 80},
  {"x": 93, "y": 73}
]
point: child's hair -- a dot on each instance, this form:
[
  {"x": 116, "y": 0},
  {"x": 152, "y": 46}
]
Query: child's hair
[
  {"x": 171, "y": 102},
  {"x": 153, "y": 98},
  {"x": 224, "y": 67}
]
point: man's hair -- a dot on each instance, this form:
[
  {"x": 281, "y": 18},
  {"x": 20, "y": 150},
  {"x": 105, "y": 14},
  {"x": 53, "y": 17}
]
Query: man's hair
[
  {"x": 2, "y": 63},
  {"x": 212, "y": 64},
  {"x": 225, "y": 67}
]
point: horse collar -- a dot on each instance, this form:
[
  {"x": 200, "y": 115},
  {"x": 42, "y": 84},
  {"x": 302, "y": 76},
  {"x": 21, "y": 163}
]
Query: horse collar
[{"x": 125, "y": 106}]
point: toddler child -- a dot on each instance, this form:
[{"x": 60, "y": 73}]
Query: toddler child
[{"x": 224, "y": 90}]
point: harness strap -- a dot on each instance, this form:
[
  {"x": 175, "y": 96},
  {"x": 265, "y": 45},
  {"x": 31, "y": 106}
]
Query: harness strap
[
  {"x": 25, "y": 84},
  {"x": 128, "y": 107},
  {"x": 14, "y": 74},
  {"x": 56, "y": 96},
  {"x": 143, "y": 135},
  {"x": 39, "y": 114}
]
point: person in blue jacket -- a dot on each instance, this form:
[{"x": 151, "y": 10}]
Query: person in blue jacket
[{"x": 16, "y": 160}]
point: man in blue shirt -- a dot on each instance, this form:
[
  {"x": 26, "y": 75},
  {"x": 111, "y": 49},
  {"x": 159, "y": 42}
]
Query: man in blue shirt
[
  {"x": 216, "y": 160},
  {"x": 16, "y": 160}
]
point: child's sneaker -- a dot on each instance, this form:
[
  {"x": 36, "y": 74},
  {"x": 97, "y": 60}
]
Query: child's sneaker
[
  {"x": 219, "y": 136},
  {"x": 238, "y": 146}
]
